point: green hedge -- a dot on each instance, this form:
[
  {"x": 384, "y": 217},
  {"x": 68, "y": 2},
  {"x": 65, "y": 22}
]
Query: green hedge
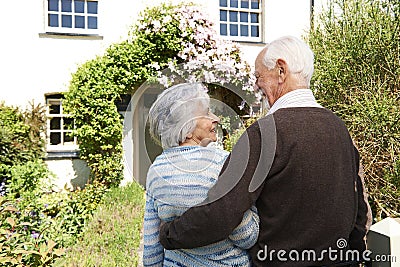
[{"x": 357, "y": 75}]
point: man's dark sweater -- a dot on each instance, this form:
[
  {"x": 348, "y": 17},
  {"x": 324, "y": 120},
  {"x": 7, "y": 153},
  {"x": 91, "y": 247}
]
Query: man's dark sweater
[{"x": 300, "y": 168}]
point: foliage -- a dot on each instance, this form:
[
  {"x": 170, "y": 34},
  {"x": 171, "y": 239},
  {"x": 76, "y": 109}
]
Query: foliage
[
  {"x": 20, "y": 139},
  {"x": 63, "y": 215},
  {"x": 28, "y": 181},
  {"x": 231, "y": 140},
  {"x": 113, "y": 235},
  {"x": 35, "y": 223},
  {"x": 37, "y": 230},
  {"x": 165, "y": 36},
  {"x": 357, "y": 75},
  {"x": 20, "y": 241}
]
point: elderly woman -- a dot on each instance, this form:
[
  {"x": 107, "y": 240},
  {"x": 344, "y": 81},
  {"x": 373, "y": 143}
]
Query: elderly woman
[{"x": 181, "y": 176}]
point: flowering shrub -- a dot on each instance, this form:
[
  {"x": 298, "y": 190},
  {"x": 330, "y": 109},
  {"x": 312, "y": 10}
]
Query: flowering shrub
[{"x": 204, "y": 56}]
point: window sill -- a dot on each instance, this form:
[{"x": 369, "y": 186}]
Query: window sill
[
  {"x": 62, "y": 154},
  {"x": 62, "y": 35},
  {"x": 250, "y": 42},
  {"x": 238, "y": 39}
]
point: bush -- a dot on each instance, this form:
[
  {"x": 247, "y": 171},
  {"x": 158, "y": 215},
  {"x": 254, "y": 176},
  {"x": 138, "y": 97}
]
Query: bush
[
  {"x": 35, "y": 223},
  {"x": 113, "y": 235},
  {"x": 62, "y": 216},
  {"x": 34, "y": 233},
  {"x": 357, "y": 75},
  {"x": 28, "y": 181},
  {"x": 20, "y": 136},
  {"x": 231, "y": 139},
  {"x": 21, "y": 242}
]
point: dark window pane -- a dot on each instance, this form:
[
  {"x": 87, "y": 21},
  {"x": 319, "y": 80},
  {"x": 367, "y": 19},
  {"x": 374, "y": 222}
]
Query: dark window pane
[
  {"x": 66, "y": 21},
  {"x": 223, "y": 29},
  {"x": 79, "y": 6},
  {"x": 223, "y": 15},
  {"x": 55, "y": 138},
  {"x": 244, "y": 3},
  {"x": 223, "y": 3},
  {"x": 255, "y": 4},
  {"x": 234, "y": 3},
  {"x": 53, "y": 20},
  {"x": 233, "y": 16},
  {"x": 92, "y": 22},
  {"x": 254, "y": 17},
  {"x": 254, "y": 31},
  {"x": 66, "y": 5},
  {"x": 233, "y": 30},
  {"x": 92, "y": 7},
  {"x": 53, "y": 5},
  {"x": 244, "y": 30},
  {"x": 55, "y": 124},
  {"x": 68, "y": 123},
  {"x": 80, "y": 22},
  {"x": 68, "y": 137},
  {"x": 54, "y": 109},
  {"x": 244, "y": 17}
]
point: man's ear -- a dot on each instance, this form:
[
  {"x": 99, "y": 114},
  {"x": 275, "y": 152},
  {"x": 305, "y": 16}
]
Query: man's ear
[{"x": 282, "y": 69}]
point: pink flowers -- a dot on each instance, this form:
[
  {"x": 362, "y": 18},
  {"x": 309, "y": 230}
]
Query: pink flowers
[{"x": 205, "y": 55}]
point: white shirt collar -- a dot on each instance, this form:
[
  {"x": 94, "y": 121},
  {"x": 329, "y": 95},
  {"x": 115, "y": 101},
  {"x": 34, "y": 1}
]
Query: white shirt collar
[{"x": 294, "y": 99}]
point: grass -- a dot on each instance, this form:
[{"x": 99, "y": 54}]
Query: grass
[{"x": 113, "y": 235}]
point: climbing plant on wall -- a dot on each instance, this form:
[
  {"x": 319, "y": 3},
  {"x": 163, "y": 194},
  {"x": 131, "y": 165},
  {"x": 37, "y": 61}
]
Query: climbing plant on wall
[{"x": 178, "y": 37}]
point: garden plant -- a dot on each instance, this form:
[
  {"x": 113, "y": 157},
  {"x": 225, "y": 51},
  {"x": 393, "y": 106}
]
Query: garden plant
[{"x": 357, "y": 75}]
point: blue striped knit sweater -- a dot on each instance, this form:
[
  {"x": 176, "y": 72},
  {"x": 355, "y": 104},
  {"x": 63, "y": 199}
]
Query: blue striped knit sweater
[{"x": 178, "y": 179}]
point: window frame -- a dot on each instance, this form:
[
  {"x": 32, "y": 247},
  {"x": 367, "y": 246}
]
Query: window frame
[
  {"x": 73, "y": 14},
  {"x": 62, "y": 146},
  {"x": 240, "y": 9}
]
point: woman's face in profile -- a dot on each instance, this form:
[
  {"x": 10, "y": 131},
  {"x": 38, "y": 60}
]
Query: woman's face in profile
[{"x": 206, "y": 127}]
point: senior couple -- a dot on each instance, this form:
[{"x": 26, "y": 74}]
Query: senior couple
[{"x": 289, "y": 193}]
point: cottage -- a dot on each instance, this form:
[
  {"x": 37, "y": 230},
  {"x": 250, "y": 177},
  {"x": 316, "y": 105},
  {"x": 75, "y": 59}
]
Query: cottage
[{"x": 43, "y": 42}]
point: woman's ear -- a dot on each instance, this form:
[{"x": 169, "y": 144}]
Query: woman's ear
[{"x": 189, "y": 136}]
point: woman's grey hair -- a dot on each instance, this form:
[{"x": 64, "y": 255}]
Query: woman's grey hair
[
  {"x": 173, "y": 115},
  {"x": 295, "y": 52}
]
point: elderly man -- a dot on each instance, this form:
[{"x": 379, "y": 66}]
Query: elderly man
[{"x": 298, "y": 165}]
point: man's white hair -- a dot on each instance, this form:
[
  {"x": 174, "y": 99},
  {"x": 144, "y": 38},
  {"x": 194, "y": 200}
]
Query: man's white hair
[
  {"x": 296, "y": 53},
  {"x": 173, "y": 115}
]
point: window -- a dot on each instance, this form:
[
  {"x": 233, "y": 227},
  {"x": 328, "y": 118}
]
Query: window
[
  {"x": 59, "y": 125},
  {"x": 72, "y": 16},
  {"x": 240, "y": 19}
]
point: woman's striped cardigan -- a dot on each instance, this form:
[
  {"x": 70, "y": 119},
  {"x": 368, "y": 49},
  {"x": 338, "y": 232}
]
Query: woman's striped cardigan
[{"x": 178, "y": 179}]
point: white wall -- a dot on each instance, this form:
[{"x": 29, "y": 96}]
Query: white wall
[
  {"x": 281, "y": 17},
  {"x": 69, "y": 174},
  {"x": 32, "y": 63}
]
